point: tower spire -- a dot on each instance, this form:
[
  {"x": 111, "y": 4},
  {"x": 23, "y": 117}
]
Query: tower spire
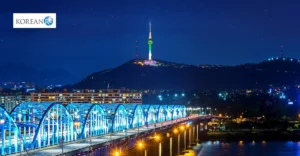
[
  {"x": 281, "y": 51},
  {"x": 150, "y": 42},
  {"x": 150, "y": 35},
  {"x": 136, "y": 49}
]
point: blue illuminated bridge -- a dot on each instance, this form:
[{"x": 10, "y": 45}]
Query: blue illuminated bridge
[{"x": 34, "y": 125}]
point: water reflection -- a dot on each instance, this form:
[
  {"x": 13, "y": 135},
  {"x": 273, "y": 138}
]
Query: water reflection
[{"x": 243, "y": 148}]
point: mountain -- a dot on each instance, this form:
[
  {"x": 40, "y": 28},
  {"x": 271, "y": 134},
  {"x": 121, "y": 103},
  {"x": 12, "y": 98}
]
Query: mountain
[
  {"x": 12, "y": 72},
  {"x": 169, "y": 75}
]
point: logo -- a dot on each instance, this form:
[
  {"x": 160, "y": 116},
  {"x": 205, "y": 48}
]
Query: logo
[
  {"x": 48, "y": 20},
  {"x": 34, "y": 20}
]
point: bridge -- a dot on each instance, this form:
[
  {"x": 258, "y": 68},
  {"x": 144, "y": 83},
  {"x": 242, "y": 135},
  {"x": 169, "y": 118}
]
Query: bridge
[{"x": 40, "y": 127}]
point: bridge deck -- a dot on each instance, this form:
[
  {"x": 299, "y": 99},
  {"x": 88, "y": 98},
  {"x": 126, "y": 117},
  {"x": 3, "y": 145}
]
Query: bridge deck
[{"x": 86, "y": 143}]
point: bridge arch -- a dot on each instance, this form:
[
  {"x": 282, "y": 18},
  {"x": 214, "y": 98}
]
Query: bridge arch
[
  {"x": 89, "y": 119},
  {"x": 135, "y": 115},
  {"x": 183, "y": 110},
  {"x": 149, "y": 114},
  {"x": 169, "y": 112},
  {"x": 44, "y": 124},
  {"x": 176, "y": 110},
  {"x": 117, "y": 116},
  {"x": 11, "y": 140},
  {"x": 160, "y": 112}
]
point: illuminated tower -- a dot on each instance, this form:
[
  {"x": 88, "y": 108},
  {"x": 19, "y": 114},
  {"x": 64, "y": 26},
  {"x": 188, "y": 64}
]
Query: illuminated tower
[
  {"x": 136, "y": 50},
  {"x": 150, "y": 42},
  {"x": 281, "y": 51}
]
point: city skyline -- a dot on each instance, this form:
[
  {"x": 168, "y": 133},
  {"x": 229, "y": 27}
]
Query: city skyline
[{"x": 98, "y": 35}]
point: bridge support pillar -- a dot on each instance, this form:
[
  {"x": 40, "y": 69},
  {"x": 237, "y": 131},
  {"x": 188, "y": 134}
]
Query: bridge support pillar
[
  {"x": 171, "y": 146},
  {"x": 159, "y": 151},
  {"x": 178, "y": 148},
  {"x": 184, "y": 140},
  {"x": 190, "y": 137},
  {"x": 197, "y": 139},
  {"x": 193, "y": 136}
]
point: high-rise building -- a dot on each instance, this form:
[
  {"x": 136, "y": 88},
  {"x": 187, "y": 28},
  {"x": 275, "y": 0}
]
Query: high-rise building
[
  {"x": 10, "y": 101},
  {"x": 101, "y": 96}
]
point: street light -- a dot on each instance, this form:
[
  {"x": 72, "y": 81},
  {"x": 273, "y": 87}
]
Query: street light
[
  {"x": 182, "y": 128},
  {"x": 157, "y": 138},
  {"x": 141, "y": 145},
  {"x": 175, "y": 131}
]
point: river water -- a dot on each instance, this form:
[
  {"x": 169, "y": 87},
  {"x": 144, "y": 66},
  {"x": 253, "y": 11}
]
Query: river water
[{"x": 254, "y": 148}]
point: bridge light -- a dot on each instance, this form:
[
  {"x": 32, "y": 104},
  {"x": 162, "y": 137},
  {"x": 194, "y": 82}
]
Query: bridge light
[
  {"x": 156, "y": 137},
  {"x": 175, "y": 130},
  {"x": 117, "y": 153},
  {"x": 140, "y": 145}
]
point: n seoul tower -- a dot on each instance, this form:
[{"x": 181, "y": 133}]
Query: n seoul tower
[{"x": 150, "y": 42}]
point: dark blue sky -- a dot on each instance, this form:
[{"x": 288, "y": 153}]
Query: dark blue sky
[{"x": 92, "y": 35}]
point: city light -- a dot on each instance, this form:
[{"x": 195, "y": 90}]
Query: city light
[{"x": 282, "y": 96}]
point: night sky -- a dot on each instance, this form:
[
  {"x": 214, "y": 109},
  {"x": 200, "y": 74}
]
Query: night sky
[{"x": 92, "y": 35}]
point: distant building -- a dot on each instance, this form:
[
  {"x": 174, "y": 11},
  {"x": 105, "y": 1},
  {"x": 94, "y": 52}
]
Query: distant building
[
  {"x": 90, "y": 96},
  {"x": 10, "y": 101}
]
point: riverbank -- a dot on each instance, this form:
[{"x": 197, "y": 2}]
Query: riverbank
[{"x": 249, "y": 136}]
